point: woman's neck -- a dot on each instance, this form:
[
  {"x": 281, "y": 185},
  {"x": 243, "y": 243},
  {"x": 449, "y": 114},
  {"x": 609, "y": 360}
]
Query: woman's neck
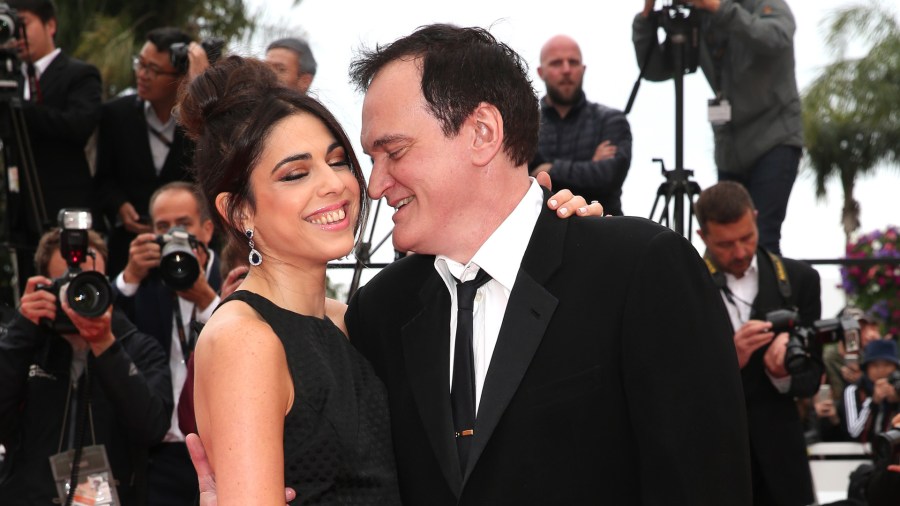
[{"x": 301, "y": 290}]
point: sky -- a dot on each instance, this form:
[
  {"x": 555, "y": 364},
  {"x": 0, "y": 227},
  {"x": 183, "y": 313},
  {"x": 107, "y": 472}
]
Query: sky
[{"x": 336, "y": 29}]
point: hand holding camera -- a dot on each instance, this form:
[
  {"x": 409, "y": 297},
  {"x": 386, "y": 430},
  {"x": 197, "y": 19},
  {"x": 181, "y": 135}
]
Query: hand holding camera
[
  {"x": 143, "y": 255},
  {"x": 38, "y": 305},
  {"x": 752, "y": 335},
  {"x": 774, "y": 357}
]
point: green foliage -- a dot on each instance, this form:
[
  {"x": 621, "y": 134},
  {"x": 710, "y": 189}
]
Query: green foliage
[
  {"x": 851, "y": 112},
  {"x": 108, "y": 32}
]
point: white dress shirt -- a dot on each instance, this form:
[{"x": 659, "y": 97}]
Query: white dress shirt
[
  {"x": 158, "y": 148},
  {"x": 500, "y": 255},
  {"x": 743, "y": 292},
  {"x": 39, "y": 67},
  {"x": 176, "y": 356}
]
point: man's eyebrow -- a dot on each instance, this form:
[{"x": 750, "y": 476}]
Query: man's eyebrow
[{"x": 388, "y": 139}]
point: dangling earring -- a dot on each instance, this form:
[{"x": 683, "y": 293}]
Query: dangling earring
[{"x": 255, "y": 258}]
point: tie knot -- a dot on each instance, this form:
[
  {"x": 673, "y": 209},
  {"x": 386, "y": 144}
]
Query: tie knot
[{"x": 465, "y": 291}]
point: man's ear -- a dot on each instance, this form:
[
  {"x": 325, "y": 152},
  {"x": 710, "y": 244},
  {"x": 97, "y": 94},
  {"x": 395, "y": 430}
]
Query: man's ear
[{"x": 487, "y": 127}]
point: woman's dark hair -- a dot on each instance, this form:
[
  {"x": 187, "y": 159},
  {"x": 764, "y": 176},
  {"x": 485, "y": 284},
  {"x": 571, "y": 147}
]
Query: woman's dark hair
[
  {"x": 229, "y": 111},
  {"x": 461, "y": 68}
]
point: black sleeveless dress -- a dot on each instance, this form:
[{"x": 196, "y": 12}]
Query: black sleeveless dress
[{"x": 337, "y": 435}]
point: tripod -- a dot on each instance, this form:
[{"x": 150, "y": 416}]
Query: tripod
[
  {"x": 18, "y": 165},
  {"x": 364, "y": 253},
  {"x": 682, "y": 42}
]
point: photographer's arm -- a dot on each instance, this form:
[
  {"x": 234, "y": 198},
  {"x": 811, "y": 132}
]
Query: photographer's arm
[
  {"x": 768, "y": 30},
  {"x": 645, "y": 40},
  {"x": 134, "y": 373},
  {"x": 18, "y": 345}
]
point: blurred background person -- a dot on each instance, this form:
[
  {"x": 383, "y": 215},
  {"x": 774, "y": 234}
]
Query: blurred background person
[
  {"x": 747, "y": 54},
  {"x": 107, "y": 374},
  {"x": 139, "y": 145},
  {"x": 585, "y": 146},
  {"x": 293, "y": 62},
  {"x": 61, "y": 108}
]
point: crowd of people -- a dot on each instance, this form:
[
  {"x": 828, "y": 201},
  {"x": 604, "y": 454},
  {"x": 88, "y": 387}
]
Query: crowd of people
[{"x": 527, "y": 350}]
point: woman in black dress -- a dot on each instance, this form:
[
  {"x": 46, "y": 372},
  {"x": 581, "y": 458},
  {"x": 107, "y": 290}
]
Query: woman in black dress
[{"x": 281, "y": 397}]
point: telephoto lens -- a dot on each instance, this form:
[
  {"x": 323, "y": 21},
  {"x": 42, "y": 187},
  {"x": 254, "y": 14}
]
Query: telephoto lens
[
  {"x": 179, "y": 267},
  {"x": 89, "y": 294}
]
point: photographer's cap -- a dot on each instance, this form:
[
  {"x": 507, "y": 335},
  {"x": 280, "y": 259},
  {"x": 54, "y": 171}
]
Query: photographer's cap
[{"x": 885, "y": 349}]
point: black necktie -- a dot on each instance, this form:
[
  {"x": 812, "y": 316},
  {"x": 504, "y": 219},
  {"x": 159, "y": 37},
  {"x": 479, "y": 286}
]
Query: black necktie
[{"x": 462, "y": 391}]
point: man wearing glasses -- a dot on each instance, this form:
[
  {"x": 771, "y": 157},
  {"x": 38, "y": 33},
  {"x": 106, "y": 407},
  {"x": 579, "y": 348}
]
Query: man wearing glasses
[{"x": 140, "y": 148}]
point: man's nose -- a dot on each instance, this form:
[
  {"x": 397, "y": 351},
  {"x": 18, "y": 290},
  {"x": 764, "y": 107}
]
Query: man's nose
[{"x": 379, "y": 181}]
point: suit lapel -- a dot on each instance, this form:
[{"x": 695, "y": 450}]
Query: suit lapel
[
  {"x": 426, "y": 353},
  {"x": 768, "y": 298},
  {"x": 528, "y": 313}
]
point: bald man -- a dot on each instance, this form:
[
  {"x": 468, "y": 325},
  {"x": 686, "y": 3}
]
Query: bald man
[{"x": 584, "y": 145}]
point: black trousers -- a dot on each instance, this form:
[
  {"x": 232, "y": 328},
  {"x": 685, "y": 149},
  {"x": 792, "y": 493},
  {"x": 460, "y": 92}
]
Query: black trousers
[{"x": 171, "y": 478}]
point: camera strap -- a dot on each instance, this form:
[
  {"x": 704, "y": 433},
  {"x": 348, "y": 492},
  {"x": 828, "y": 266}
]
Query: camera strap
[
  {"x": 187, "y": 346},
  {"x": 784, "y": 284},
  {"x": 159, "y": 136}
]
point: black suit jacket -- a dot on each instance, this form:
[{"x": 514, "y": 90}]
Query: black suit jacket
[
  {"x": 614, "y": 379},
  {"x": 776, "y": 436},
  {"x": 59, "y": 126},
  {"x": 125, "y": 171}
]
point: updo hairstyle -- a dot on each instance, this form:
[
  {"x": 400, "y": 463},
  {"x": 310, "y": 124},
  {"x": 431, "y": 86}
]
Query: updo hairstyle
[{"x": 229, "y": 111}]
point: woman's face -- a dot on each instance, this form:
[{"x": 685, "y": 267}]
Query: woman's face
[{"x": 307, "y": 198}]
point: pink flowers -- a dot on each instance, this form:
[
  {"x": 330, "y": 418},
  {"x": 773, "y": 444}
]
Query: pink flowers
[{"x": 875, "y": 287}]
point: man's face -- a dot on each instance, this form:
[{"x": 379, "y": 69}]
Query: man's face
[
  {"x": 562, "y": 70},
  {"x": 157, "y": 81},
  {"x": 38, "y": 35},
  {"x": 415, "y": 167},
  {"x": 178, "y": 207},
  {"x": 732, "y": 245},
  {"x": 286, "y": 65},
  {"x": 879, "y": 369},
  {"x": 58, "y": 266},
  {"x": 869, "y": 332}
]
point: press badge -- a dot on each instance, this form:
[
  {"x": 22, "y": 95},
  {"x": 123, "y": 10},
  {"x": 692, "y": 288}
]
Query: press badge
[
  {"x": 96, "y": 486},
  {"x": 719, "y": 111}
]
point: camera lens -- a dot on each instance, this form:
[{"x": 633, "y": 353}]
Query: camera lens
[
  {"x": 179, "y": 270},
  {"x": 89, "y": 294}
]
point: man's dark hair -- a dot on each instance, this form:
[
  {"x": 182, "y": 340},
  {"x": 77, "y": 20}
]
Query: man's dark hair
[
  {"x": 44, "y": 9},
  {"x": 724, "y": 202},
  {"x": 165, "y": 36},
  {"x": 461, "y": 68},
  {"x": 306, "y": 60}
]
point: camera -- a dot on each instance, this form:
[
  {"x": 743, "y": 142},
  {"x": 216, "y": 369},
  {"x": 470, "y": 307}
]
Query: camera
[
  {"x": 178, "y": 266},
  {"x": 178, "y": 53},
  {"x": 804, "y": 341},
  {"x": 886, "y": 447},
  {"x": 10, "y": 25},
  {"x": 88, "y": 292}
]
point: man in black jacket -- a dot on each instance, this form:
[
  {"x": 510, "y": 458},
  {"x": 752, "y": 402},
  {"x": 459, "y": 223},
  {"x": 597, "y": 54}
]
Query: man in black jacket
[
  {"x": 61, "y": 109},
  {"x": 753, "y": 282},
  {"x": 43, "y": 374},
  {"x": 139, "y": 145}
]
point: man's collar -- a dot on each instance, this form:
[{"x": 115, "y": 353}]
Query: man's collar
[
  {"x": 41, "y": 65},
  {"x": 502, "y": 253}
]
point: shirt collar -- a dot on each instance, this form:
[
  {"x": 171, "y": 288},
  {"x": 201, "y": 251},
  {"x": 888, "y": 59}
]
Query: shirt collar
[
  {"x": 41, "y": 65},
  {"x": 502, "y": 253},
  {"x": 751, "y": 271},
  {"x": 154, "y": 121}
]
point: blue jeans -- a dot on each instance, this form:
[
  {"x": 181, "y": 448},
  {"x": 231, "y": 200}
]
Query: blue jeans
[{"x": 769, "y": 182}]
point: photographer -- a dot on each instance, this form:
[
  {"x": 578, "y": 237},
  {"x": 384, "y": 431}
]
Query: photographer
[
  {"x": 746, "y": 51},
  {"x": 167, "y": 314},
  {"x": 753, "y": 282},
  {"x": 61, "y": 108},
  {"x": 884, "y": 484},
  {"x": 867, "y": 406},
  {"x": 139, "y": 145},
  {"x": 43, "y": 399}
]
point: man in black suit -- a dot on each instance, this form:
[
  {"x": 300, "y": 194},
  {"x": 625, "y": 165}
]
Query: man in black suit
[
  {"x": 754, "y": 281},
  {"x": 602, "y": 372},
  {"x": 140, "y": 147},
  {"x": 168, "y": 315},
  {"x": 61, "y": 110}
]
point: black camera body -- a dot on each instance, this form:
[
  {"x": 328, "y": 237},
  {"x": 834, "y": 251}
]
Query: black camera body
[
  {"x": 805, "y": 342},
  {"x": 178, "y": 53},
  {"x": 88, "y": 293},
  {"x": 179, "y": 267},
  {"x": 11, "y": 29}
]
